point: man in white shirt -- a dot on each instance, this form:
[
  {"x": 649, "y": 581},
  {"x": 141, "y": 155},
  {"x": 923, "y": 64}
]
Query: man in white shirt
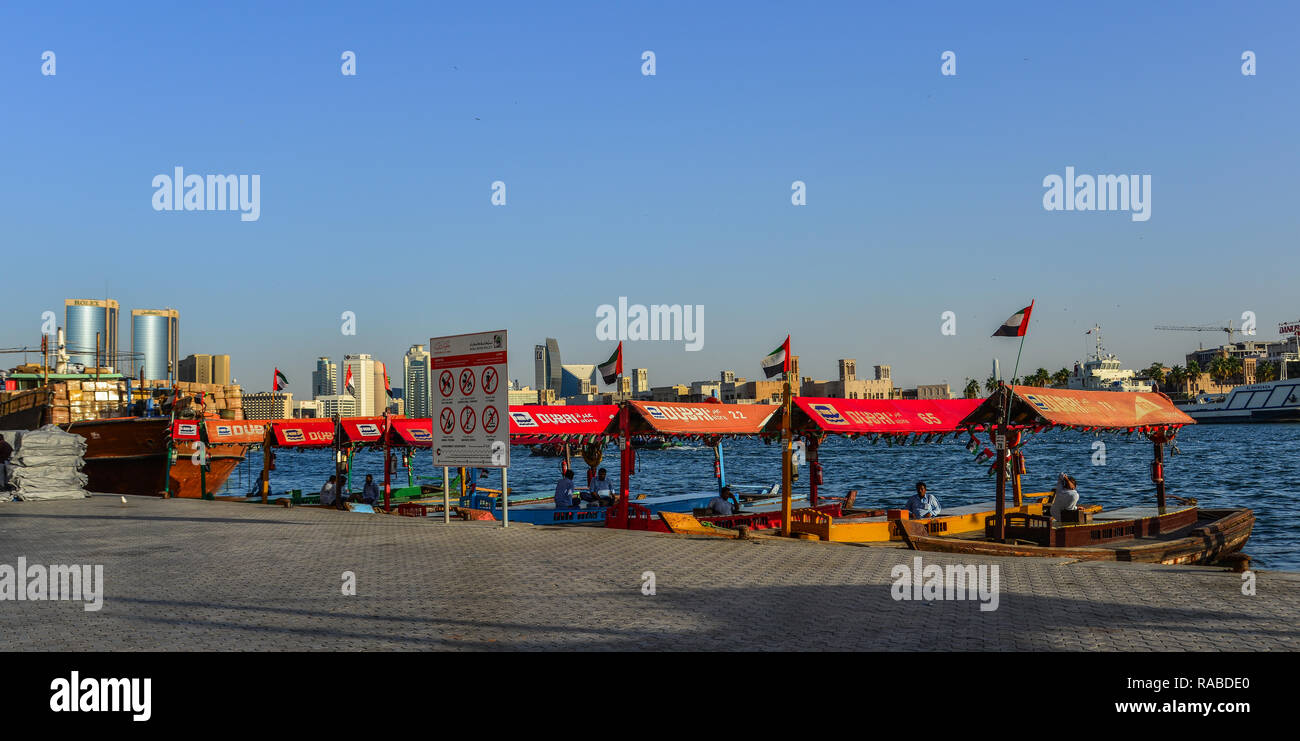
[
  {"x": 328, "y": 492},
  {"x": 1065, "y": 496},
  {"x": 602, "y": 490}
]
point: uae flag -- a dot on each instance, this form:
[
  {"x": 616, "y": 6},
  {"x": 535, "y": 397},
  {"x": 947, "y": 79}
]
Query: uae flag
[
  {"x": 777, "y": 361},
  {"x": 611, "y": 369},
  {"x": 1017, "y": 325},
  {"x": 347, "y": 383},
  {"x": 280, "y": 381},
  {"x": 388, "y": 387}
]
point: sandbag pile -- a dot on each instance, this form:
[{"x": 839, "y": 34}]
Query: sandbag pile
[{"x": 47, "y": 465}]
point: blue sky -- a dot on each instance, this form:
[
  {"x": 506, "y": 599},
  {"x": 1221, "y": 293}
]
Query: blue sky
[{"x": 924, "y": 191}]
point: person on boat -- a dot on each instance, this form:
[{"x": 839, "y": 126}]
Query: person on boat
[
  {"x": 922, "y": 503},
  {"x": 6, "y": 450},
  {"x": 564, "y": 491},
  {"x": 1065, "y": 496},
  {"x": 370, "y": 492},
  {"x": 601, "y": 490},
  {"x": 328, "y": 492},
  {"x": 724, "y": 504}
]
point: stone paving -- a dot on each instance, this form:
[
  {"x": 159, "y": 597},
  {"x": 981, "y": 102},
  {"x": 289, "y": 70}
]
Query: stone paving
[{"x": 219, "y": 576}]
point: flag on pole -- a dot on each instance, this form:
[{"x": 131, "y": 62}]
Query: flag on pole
[
  {"x": 388, "y": 387},
  {"x": 347, "y": 383},
  {"x": 1017, "y": 324},
  {"x": 611, "y": 369},
  {"x": 280, "y": 381},
  {"x": 777, "y": 361}
]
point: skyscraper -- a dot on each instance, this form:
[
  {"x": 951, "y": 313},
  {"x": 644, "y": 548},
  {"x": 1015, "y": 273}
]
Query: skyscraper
[
  {"x": 415, "y": 372},
  {"x": 547, "y": 368},
  {"x": 363, "y": 382},
  {"x": 82, "y": 319},
  {"x": 379, "y": 392},
  {"x": 155, "y": 344},
  {"x": 325, "y": 379}
]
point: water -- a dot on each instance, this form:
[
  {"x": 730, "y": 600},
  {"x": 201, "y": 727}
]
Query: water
[{"x": 1220, "y": 465}]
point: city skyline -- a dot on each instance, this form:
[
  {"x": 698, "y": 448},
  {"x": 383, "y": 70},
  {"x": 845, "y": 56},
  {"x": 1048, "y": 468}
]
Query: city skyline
[{"x": 924, "y": 192}]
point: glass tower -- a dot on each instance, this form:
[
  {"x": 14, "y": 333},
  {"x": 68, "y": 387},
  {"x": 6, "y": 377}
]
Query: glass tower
[
  {"x": 155, "y": 346},
  {"x": 82, "y": 319}
]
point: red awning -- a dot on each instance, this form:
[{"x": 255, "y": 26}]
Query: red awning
[
  {"x": 304, "y": 432},
  {"x": 878, "y": 416},
  {"x": 414, "y": 432},
  {"x": 236, "y": 431},
  {"x": 363, "y": 429},
  {"x": 185, "y": 429},
  {"x": 1098, "y": 410},
  {"x": 678, "y": 418},
  {"x": 553, "y": 421}
]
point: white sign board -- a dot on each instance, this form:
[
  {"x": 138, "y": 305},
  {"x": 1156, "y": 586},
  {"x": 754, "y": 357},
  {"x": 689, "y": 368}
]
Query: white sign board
[
  {"x": 1286, "y": 328},
  {"x": 471, "y": 410}
]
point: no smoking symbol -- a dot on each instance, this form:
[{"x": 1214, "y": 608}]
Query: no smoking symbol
[
  {"x": 467, "y": 420},
  {"x": 447, "y": 421},
  {"x": 467, "y": 382},
  {"x": 445, "y": 383},
  {"x": 489, "y": 383},
  {"x": 490, "y": 420}
]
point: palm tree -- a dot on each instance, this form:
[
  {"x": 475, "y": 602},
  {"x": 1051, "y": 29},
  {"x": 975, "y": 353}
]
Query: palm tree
[
  {"x": 1156, "y": 372},
  {"x": 1194, "y": 370},
  {"x": 1177, "y": 378},
  {"x": 1265, "y": 372},
  {"x": 990, "y": 384},
  {"x": 1061, "y": 377},
  {"x": 1040, "y": 378},
  {"x": 972, "y": 390}
]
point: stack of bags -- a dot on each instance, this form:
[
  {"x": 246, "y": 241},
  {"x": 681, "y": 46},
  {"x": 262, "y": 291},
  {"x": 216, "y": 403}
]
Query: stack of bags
[{"x": 47, "y": 465}]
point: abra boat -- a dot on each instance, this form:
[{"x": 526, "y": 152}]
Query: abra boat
[{"x": 1184, "y": 534}]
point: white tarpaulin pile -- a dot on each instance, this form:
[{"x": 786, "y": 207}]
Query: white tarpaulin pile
[{"x": 47, "y": 465}]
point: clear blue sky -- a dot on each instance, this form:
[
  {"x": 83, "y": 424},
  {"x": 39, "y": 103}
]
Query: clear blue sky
[{"x": 924, "y": 191}]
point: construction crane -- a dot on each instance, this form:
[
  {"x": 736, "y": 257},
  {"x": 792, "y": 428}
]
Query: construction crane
[{"x": 1230, "y": 330}]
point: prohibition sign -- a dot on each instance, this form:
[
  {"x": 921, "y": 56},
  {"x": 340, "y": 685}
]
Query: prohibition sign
[
  {"x": 490, "y": 420},
  {"x": 489, "y": 384},
  {"x": 447, "y": 421},
  {"x": 467, "y": 381},
  {"x": 467, "y": 419},
  {"x": 445, "y": 383}
]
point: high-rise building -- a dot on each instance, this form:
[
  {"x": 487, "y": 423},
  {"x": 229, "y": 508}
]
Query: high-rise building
[
  {"x": 379, "y": 390},
  {"x": 415, "y": 371},
  {"x": 83, "y": 319},
  {"x": 640, "y": 380},
  {"x": 155, "y": 345},
  {"x": 268, "y": 405},
  {"x": 363, "y": 382},
  {"x": 204, "y": 369},
  {"x": 325, "y": 379},
  {"x": 546, "y": 360},
  {"x": 342, "y": 405}
]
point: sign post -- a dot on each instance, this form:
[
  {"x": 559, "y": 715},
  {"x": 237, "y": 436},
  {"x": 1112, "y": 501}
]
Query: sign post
[{"x": 471, "y": 406}]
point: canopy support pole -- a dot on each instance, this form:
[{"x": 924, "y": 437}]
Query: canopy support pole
[
  {"x": 624, "y": 462},
  {"x": 999, "y": 443},
  {"x": 388, "y": 466},
  {"x": 814, "y": 469},
  {"x": 266, "y": 462},
  {"x": 786, "y": 442},
  {"x": 1158, "y": 472},
  {"x": 1017, "y": 491}
]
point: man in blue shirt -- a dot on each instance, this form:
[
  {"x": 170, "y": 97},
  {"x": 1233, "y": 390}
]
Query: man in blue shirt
[
  {"x": 564, "y": 491},
  {"x": 602, "y": 490},
  {"x": 922, "y": 504},
  {"x": 370, "y": 492},
  {"x": 723, "y": 504}
]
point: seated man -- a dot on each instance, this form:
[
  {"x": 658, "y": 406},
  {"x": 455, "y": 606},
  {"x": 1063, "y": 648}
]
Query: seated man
[
  {"x": 724, "y": 504},
  {"x": 328, "y": 491},
  {"x": 370, "y": 492},
  {"x": 602, "y": 490},
  {"x": 1065, "y": 496},
  {"x": 922, "y": 504},
  {"x": 564, "y": 491}
]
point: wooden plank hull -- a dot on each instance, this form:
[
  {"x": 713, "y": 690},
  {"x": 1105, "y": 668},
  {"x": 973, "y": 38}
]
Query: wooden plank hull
[
  {"x": 1215, "y": 533},
  {"x": 129, "y": 456}
]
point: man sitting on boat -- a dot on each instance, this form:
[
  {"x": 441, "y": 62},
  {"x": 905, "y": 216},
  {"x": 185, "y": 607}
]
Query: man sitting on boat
[
  {"x": 724, "y": 504},
  {"x": 1065, "y": 496},
  {"x": 922, "y": 503},
  {"x": 564, "y": 491},
  {"x": 602, "y": 492},
  {"x": 370, "y": 492},
  {"x": 328, "y": 492}
]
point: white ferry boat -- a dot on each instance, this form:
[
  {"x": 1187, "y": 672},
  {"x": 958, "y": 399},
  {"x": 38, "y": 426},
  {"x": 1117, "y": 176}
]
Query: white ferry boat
[
  {"x": 1274, "y": 401},
  {"x": 1102, "y": 372}
]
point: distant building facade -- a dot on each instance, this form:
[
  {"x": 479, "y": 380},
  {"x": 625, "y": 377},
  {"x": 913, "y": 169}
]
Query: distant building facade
[
  {"x": 363, "y": 383},
  {"x": 83, "y": 320},
  {"x": 547, "y": 366},
  {"x": 577, "y": 379},
  {"x": 325, "y": 379},
  {"x": 415, "y": 372},
  {"x": 201, "y": 368},
  {"x": 340, "y": 405},
  {"x": 155, "y": 343},
  {"x": 268, "y": 405}
]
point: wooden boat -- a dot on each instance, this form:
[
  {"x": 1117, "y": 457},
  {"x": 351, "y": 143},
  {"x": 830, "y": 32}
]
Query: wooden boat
[
  {"x": 1189, "y": 535},
  {"x": 1154, "y": 534},
  {"x": 728, "y": 526},
  {"x": 888, "y": 527},
  {"x": 129, "y": 455}
]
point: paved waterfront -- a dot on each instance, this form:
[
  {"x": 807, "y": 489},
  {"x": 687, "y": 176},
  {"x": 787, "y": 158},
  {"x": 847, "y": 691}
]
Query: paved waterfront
[{"x": 216, "y": 576}]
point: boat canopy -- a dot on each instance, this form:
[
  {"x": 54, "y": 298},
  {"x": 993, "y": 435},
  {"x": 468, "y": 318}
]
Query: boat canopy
[
  {"x": 895, "y": 417},
  {"x": 299, "y": 433},
  {"x": 1113, "y": 411},
  {"x": 416, "y": 433},
  {"x": 683, "y": 419},
  {"x": 220, "y": 431},
  {"x": 540, "y": 423}
]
